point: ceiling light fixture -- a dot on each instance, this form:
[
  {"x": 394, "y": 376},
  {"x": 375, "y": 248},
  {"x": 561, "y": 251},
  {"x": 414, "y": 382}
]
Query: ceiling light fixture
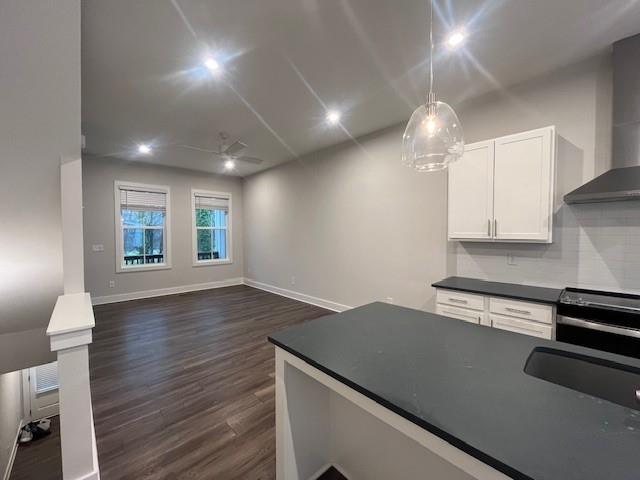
[
  {"x": 212, "y": 65},
  {"x": 333, "y": 117},
  {"x": 433, "y": 137},
  {"x": 144, "y": 149},
  {"x": 456, "y": 39},
  {"x": 229, "y": 164}
]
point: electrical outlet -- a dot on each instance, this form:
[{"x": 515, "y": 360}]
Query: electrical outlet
[
  {"x": 97, "y": 248},
  {"x": 293, "y": 280},
  {"x": 389, "y": 300},
  {"x": 112, "y": 283},
  {"x": 511, "y": 259}
]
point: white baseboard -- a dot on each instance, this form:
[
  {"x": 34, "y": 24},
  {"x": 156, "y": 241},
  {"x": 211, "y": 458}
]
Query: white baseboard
[
  {"x": 14, "y": 451},
  {"x": 302, "y": 297},
  {"x": 160, "y": 292}
]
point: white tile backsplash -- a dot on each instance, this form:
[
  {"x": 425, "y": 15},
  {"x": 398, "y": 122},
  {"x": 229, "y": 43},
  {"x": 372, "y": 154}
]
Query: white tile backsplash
[{"x": 595, "y": 246}]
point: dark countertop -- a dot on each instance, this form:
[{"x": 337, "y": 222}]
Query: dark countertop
[
  {"x": 498, "y": 289},
  {"x": 465, "y": 383}
]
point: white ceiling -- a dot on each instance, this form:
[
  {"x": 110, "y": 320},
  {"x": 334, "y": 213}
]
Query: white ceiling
[{"x": 286, "y": 61}]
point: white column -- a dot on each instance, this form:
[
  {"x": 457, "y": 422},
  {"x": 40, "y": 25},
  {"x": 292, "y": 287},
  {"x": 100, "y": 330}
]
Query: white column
[
  {"x": 72, "y": 234},
  {"x": 70, "y": 335}
]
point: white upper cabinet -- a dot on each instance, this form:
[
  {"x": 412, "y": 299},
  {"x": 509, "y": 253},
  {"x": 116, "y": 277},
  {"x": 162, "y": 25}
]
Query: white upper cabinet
[
  {"x": 502, "y": 189},
  {"x": 471, "y": 194},
  {"x": 523, "y": 181}
]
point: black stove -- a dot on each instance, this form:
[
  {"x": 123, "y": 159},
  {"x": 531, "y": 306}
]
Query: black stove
[{"x": 608, "y": 321}]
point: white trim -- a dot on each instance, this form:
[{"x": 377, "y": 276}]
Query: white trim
[
  {"x": 14, "y": 451},
  {"x": 26, "y": 397},
  {"x": 71, "y": 313},
  {"x": 123, "y": 297},
  {"x": 118, "y": 227},
  {"x": 208, "y": 263},
  {"x": 63, "y": 341},
  {"x": 302, "y": 297},
  {"x": 194, "y": 236}
]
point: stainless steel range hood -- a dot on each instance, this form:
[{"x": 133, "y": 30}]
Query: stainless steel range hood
[{"x": 622, "y": 182}]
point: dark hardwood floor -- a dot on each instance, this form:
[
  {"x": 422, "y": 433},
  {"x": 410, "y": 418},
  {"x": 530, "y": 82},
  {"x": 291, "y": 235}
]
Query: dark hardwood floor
[
  {"x": 40, "y": 459},
  {"x": 183, "y": 385}
]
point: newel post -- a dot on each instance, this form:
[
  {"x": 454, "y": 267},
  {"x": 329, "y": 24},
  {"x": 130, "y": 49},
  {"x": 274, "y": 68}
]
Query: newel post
[{"x": 70, "y": 333}]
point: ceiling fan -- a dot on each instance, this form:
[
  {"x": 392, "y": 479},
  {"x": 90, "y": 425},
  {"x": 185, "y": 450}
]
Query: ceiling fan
[{"x": 227, "y": 152}]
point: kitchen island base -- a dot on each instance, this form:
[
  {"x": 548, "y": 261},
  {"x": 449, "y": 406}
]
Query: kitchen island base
[{"x": 321, "y": 421}]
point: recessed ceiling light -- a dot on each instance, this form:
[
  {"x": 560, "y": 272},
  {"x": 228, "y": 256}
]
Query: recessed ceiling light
[
  {"x": 333, "y": 117},
  {"x": 144, "y": 149},
  {"x": 455, "y": 39},
  {"x": 212, "y": 65},
  {"x": 229, "y": 164}
]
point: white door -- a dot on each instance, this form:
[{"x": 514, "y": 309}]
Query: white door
[
  {"x": 471, "y": 193},
  {"x": 43, "y": 389},
  {"x": 523, "y": 181}
]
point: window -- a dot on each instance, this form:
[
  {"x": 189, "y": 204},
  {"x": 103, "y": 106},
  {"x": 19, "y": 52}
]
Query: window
[
  {"x": 142, "y": 226},
  {"x": 211, "y": 227}
]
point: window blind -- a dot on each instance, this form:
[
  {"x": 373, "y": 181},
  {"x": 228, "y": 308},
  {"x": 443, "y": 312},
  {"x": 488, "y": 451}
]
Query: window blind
[
  {"x": 211, "y": 203},
  {"x": 141, "y": 200},
  {"x": 45, "y": 377}
]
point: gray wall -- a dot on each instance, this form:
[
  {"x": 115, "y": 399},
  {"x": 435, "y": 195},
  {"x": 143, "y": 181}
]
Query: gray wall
[
  {"x": 349, "y": 224},
  {"x": 99, "y": 175},
  {"x": 595, "y": 246},
  {"x": 39, "y": 128},
  {"x": 10, "y": 415},
  {"x": 352, "y": 225}
]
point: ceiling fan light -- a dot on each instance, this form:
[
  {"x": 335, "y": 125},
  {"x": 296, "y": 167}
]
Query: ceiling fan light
[{"x": 229, "y": 164}]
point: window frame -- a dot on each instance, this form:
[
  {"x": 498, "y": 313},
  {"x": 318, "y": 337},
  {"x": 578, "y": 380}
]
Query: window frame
[
  {"x": 194, "y": 229},
  {"x": 119, "y": 227}
]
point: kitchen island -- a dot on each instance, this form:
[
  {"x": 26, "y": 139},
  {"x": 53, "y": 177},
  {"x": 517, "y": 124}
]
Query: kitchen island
[{"x": 382, "y": 391}]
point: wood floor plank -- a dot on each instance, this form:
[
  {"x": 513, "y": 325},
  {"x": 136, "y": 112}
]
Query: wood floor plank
[
  {"x": 40, "y": 459},
  {"x": 183, "y": 385}
]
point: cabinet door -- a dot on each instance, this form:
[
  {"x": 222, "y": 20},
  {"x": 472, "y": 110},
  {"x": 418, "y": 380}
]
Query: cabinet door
[
  {"x": 523, "y": 186},
  {"x": 471, "y": 193}
]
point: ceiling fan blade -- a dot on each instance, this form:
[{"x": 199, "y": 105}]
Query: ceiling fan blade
[
  {"x": 198, "y": 149},
  {"x": 234, "y": 148},
  {"x": 254, "y": 160}
]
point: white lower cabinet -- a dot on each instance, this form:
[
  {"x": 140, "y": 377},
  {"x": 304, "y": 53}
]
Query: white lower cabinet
[
  {"x": 528, "y": 318},
  {"x": 521, "y": 326},
  {"x": 470, "y": 316},
  {"x": 464, "y": 300}
]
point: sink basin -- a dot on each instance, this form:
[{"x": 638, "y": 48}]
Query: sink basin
[{"x": 615, "y": 382}]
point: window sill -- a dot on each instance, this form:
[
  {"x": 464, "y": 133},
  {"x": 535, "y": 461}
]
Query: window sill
[
  {"x": 208, "y": 263},
  {"x": 143, "y": 268}
]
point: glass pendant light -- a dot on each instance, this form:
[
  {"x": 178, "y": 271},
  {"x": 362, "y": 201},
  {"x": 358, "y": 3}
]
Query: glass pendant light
[{"x": 433, "y": 137}]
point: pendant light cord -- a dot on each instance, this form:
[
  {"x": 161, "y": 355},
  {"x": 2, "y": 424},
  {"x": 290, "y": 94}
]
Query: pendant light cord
[{"x": 430, "y": 50}]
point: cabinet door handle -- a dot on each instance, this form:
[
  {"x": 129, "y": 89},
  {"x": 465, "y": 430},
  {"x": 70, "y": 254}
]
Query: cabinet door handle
[
  {"x": 495, "y": 227},
  {"x": 488, "y": 227},
  {"x": 457, "y": 300},
  {"x": 517, "y": 310}
]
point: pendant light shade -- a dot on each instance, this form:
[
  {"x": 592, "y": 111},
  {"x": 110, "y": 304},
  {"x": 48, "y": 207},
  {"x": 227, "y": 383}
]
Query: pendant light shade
[{"x": 433, "y": 138}]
